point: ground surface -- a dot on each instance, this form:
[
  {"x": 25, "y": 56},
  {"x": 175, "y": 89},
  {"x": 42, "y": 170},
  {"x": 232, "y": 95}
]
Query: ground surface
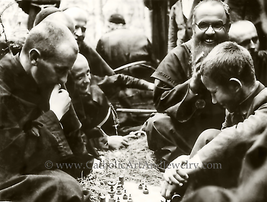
[{"x": 135, "y": 164}]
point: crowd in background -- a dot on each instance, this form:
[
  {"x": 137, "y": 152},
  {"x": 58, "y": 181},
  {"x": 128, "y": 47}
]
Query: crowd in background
[{"x": 60, "y": 89}]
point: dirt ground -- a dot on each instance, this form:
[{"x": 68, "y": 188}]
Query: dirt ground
[{"x": 135, "y": 164}]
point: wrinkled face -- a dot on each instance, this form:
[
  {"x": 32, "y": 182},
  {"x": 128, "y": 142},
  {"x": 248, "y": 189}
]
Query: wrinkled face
[
  {"x": 81, "y": 77},
  {"x": 47, "y": 72},
  {"x": 224, "y": 96},
  {"x": 209, "y": 29}
]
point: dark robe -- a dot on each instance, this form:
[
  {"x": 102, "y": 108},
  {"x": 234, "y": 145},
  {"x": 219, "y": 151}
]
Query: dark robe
[
  {"x": 33, "y": 142},
  {"x": 183, "y": 115}
]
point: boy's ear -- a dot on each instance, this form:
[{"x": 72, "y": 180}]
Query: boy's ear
[
  {"x": 34, "y": 54},
  {"x": 235, "y": 84}
]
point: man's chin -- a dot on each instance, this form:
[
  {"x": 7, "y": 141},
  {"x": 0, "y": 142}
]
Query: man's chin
[{"x": 202, "y": 46}]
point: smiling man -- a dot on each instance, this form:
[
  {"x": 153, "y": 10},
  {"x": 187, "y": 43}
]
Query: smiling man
[{"x": 184, "y": 104}]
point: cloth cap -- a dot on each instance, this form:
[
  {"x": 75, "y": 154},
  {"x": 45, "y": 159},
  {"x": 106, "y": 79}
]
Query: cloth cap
[
  {"x": 44, "y": 13},
  {"x": 117, "y": 19}
]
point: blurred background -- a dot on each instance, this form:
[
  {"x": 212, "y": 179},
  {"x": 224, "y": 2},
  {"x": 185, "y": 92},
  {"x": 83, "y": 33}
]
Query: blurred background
[{"x": 136, "y": 14}]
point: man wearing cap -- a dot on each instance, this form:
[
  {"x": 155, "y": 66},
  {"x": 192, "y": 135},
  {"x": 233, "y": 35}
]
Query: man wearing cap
[
  {"x": 115, "y": 21},
  {"x": 122, "y": 46}
]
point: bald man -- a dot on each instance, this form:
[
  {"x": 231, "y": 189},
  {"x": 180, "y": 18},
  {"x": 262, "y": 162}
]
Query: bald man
[
  {"x": 38, "y": 126},
  {"x": 98, "y": 117},
  {"x": 245, "y": 34},
  {"x": 98, "y": 65}
]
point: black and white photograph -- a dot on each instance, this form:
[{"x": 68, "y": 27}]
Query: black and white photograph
[{"x": 133, "y": 100}]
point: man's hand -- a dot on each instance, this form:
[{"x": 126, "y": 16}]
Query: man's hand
[
  {"x": 175, "y": 174},
  {"x": 117, "y": 142},
  {"x": 195, "y": 82},
  {"x": 174, "y": 177},
  {"x": 59, "y": 101},
  {"x": 167, "y": 190}
]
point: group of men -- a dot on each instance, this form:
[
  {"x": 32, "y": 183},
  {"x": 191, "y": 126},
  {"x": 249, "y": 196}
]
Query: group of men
[
  {"x": 50, "y": 110},
  {"x": 209, "y": 69},
  {"x": 49, "y": 107}
]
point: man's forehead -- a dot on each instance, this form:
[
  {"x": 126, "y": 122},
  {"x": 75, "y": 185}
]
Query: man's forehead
[
  {"x": 78, "y": 69},
  {"x": 210, "y": 9},
  {"x": 242, "y": 31}
]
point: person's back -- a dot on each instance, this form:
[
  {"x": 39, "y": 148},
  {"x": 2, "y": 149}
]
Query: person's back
[{"x": 123, "y": 46}]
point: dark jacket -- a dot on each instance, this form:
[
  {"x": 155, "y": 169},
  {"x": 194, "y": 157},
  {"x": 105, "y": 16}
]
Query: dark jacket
[{"x": 30, "y": 133}]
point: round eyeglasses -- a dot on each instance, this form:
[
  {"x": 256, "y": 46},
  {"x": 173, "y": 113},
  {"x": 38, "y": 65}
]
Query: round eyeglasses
[{"x": 204, "y": 26}]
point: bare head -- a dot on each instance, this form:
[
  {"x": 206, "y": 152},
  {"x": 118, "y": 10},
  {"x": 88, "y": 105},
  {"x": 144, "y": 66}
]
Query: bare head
[
  {"x": 245, "y": 34},
  {"x": 49, "y": 52},
  {"x": 81, "y": 76},
  {"x": 55, "y": 15},
  {"x": 228, "y": 73},
  {"x": 80, "y": 20}
]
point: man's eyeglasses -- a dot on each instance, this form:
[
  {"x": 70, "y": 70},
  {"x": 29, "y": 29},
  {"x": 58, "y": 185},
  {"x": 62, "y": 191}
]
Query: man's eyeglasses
[{"x": 217, "y": 26}]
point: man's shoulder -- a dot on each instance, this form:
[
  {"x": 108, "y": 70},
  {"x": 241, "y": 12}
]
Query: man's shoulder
[
  {"x": 175, "y": 67},
  {"x": 7, "y": 64},
  {"x": 179, "y": 56},
  {"x": 184, "y": 48}
]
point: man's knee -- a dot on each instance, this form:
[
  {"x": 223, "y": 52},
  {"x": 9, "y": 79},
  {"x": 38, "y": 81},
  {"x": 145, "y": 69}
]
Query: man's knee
[
  {"x": 157, "y": 128},
  {"x": 204, "y": 138}
]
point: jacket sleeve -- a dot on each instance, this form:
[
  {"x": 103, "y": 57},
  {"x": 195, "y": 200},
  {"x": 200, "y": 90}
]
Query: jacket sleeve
[
  {"x": 235, "y": 139},
  {"x": 110, "y": 84},
  {"x": 29, "y": 138}
]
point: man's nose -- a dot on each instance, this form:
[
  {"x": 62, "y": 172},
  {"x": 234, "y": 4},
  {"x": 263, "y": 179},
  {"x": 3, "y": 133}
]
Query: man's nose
[
  {"x": 251, "y": 45},
  {"x": 210, "y": 30},
  {"x": 214, "y": 101},
  {"x": 78, "y": 32},
  {"x": 86, "y": 80}
]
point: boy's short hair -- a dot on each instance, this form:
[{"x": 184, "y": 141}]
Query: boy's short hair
[{"x": 229, "y": 60}]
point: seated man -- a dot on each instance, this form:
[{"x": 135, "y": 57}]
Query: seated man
[
  {"x": 245, "y": 34},
  {"x": 228, "y": 74},
  {"x": 98, "y": 117},
  {"x": 38, "y": 126},
  {"x": 184, "y": 105}
]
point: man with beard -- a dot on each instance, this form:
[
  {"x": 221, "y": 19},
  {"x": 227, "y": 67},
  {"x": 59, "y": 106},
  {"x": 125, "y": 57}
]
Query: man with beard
[
  {"x": 184, "y": 104},
  {"x": 245, "y": 34}
]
